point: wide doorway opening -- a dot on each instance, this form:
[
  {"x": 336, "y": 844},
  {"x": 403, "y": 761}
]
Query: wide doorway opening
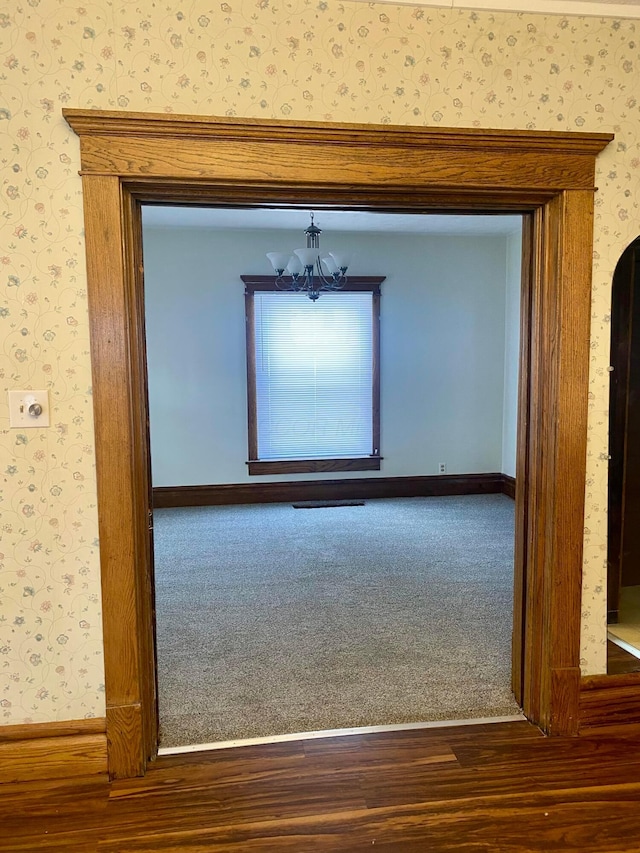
[{"x": 352, "y": 591}]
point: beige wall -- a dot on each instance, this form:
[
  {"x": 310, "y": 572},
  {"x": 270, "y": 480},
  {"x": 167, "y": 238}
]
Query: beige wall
[{"x": 329, "y": 61}]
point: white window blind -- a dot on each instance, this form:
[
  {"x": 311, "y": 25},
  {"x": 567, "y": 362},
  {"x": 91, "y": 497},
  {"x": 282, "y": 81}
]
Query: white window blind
[{"x": 314, "y": 375}]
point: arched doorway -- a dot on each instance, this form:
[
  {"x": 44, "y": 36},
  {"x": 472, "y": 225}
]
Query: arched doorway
[{"x": 623, "y": 549}]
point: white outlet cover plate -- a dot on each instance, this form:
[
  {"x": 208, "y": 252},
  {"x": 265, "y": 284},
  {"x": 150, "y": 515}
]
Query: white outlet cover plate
[{"x": 19, "y": 402}]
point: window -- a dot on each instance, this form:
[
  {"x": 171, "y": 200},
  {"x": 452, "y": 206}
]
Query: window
[{"x": 313, "y": 379}]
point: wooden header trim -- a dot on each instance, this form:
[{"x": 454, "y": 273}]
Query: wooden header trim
[
  {"x": 219, "y": 156},
  {"x": 354, "y": 283},
  {"x": 117, "y": 123}
]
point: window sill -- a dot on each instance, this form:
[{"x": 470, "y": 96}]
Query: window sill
[{"x": 314, "y": 466}]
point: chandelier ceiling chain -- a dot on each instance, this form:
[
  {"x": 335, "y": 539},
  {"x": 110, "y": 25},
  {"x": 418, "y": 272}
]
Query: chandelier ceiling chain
[{"x": 304, "y": 270}]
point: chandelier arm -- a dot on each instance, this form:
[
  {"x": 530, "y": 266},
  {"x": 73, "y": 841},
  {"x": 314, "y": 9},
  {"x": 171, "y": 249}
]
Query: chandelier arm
[
  {"x": 326, "y": 281},
  {"x": 336, "y": 279},
  {"x": 294, "y": 283}
]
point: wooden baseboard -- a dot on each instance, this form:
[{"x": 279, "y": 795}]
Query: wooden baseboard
[
  {"x": 58, "y": 750},
  {"x": 331, "y": 490},
  {"x": 609, "y": 700},
  {"x": 509, "y": 486}
]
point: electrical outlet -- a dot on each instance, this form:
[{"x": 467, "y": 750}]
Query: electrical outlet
[{"x": 442, "y": 467}]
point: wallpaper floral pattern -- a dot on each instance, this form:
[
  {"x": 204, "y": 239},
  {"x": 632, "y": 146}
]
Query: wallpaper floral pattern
[{"x": 309, "y": 59}]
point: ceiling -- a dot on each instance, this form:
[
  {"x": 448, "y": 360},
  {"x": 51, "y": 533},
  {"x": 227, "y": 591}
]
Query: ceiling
[{"x": 331, "y": 220}]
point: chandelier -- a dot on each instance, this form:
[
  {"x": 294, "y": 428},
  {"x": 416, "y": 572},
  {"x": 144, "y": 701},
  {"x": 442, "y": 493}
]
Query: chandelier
[{"x": 307, "y": 270}]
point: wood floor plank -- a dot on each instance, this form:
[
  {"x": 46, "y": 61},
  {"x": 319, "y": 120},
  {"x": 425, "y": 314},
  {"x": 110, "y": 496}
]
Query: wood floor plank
[
  {"x": 398, "y": 788},
  {"x": 517, "y": 732},
  {"x": 548, "y": 764},
  {"x": 620, "y": 661},
  {"x": 220, "y": 766},
  {"x": 215, "y": 805},
  {"x": 255, "y": 752},
  {"x": 56, "y": 815},
  {"x": 560, "y": 764},
  {"x": 571, "y": 753},
  {"x": 80, "y": 841},
  {"x": 52, "y": 807},
  {"x": 366, "y": 752}
]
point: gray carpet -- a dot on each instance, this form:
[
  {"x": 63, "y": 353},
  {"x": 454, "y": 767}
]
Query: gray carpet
[{"x": 274, "y": 620}]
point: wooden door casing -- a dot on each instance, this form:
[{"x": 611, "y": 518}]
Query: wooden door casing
[{"x": 134, "y": 158}]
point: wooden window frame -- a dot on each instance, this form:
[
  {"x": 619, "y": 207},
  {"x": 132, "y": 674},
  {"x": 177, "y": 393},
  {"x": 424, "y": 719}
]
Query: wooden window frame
[
  {"x": 129, "y": 159},
  {"x": 257, "y": 466}
]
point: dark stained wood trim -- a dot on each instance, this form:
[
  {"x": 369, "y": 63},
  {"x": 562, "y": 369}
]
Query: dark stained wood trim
[
  {"x": 221, "y": 162},
  {"x": 509, "y": 486},
  {"x": 256, "y": 466},
  {"x": 328, "y": 490},
  {"x": 353, "y": 284},
  {"x": 609, "y": 700},
  {"x": 47, "y": 751},
  {"x": 375, "y": 373},
  {"x": 252, "y": 403},
  {"x": 313, "y": 466}
]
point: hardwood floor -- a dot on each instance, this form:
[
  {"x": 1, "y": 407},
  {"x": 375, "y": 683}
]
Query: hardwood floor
[
  {"x": 620, "y": 661},
  {"x": 502, "y": 788}
]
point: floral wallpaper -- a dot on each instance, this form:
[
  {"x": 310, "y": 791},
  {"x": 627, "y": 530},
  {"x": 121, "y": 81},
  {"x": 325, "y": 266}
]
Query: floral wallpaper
[{"x": 309, "y": 59}]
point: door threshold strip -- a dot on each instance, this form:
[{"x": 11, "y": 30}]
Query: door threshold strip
[{"x": 326, "y": 733}]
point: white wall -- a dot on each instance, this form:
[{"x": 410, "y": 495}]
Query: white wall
[
  {"x": 442, "y": 350},
  {"x": 511, "y": 353}
]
